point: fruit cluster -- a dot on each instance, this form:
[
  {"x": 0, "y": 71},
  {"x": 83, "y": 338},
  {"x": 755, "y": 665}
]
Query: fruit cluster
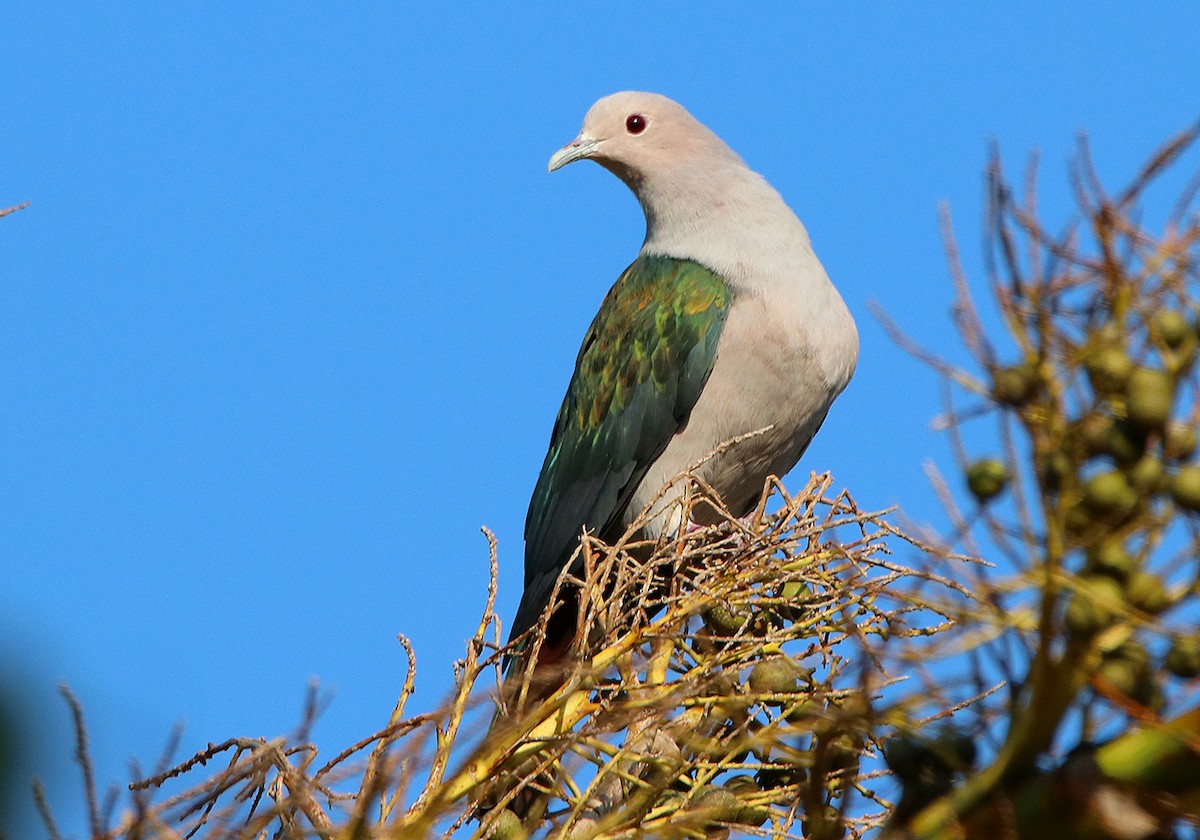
[{"x": 1112, "y": 425}]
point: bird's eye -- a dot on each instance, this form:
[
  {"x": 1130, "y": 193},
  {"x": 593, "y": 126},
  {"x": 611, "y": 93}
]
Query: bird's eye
[{"x": 635, "y": 123}]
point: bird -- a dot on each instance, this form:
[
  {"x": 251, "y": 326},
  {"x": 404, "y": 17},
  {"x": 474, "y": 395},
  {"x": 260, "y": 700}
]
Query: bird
[{"x": 724, "y": 325}]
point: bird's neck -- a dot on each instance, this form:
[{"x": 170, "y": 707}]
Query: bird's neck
[{"x": 729, "y": 219}]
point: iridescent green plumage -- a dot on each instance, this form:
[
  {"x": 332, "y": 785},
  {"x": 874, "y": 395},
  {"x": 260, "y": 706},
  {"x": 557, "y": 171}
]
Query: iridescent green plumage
[{"x": 642, "y": 366}]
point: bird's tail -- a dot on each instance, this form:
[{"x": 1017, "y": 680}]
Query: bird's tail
[{"x": 539, "y": 666}]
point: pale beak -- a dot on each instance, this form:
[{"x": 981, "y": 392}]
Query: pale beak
[{"x": 581, "y": 147}]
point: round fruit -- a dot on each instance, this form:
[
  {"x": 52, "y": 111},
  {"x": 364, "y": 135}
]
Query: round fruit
[
  {"x": 1185, "y": 487},
  {"x": 1123, "y": 675},
  {"x": 742, "y": 784},
  {"x": 1179, "y": 441},
  {"x": 1127, "y": 669},
  {"x": 1148, "y": 397},
  {"x": 824, "y": 821},
  {"x": 1183, "y": 658},
  {"x": 956, "y": 749},
  {"x": 1171, "y": 327},
  {"x": 795, "y": 595},
  {"x": 1147, "y": 593},
  {"x": 718, "y": 804},
  {"x": 1131, "y": 650},
  {"x": 855, "y": 704},
  {"x": 777, "y": 777},
  {"x": 1108, "y": 493},
  {"x": 904, "y": 755},
  {"x": 1108, "y": 369},
  {"x": 765, "y": 621},
  {"x": 1147, "y": 475},
  {"x": 1110, "y": 558},
  {"x": 1093, "y": 605},
  {"x": 795, "y": 590},
  {"x": 753, "y": 815},
  {"x": 842, "y": 752},
  {"x": 508, "y": 827},
  {"x": 931, "y": 782},
  {"x": 806, "y": 711},
  {"x": 773, "y": 676},
  {"x": 1014, "y": 385},
  {"x": 1114, "y": 438},
  {"x": 723, "y": 621},
  {"x": 1084, "y": 617},
  {"x": 1078, "y": 520},
  {"x": 987, "y": 478},
  {"x": 742, "y": 787}
]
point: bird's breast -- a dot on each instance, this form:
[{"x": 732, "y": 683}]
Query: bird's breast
[{"x": 776, "y": 371}]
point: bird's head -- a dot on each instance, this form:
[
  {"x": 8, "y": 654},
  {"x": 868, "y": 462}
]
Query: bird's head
[{"x": 634, "y": 134}]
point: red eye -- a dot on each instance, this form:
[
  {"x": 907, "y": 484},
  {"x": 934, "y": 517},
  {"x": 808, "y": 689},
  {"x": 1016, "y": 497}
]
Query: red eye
[{"x": 635, "y": 123}]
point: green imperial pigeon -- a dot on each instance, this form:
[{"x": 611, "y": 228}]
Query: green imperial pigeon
[{"x": 725, "y": 324}]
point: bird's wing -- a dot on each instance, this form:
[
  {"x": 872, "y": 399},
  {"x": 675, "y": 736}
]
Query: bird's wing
[{"x": 642, "y": 366}]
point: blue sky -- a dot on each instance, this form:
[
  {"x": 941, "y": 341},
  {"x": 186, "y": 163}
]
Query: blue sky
[{"x": 295, "y": 302}]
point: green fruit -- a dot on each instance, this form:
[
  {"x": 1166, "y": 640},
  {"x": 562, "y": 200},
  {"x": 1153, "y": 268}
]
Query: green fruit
[
  {"x": 742, "y": 784},
  {"x": 987, "y": 478},
  {"x": 1120, "y": 442},
  {"x": 955, "y": 749},
  {"x": 1183, "y": 657},
  {"x": 1131, "y": 650},
  {"x": 932, "y": 782},
  {"x": 1147, "y": 593},
  {"x": 774, "y": 676},
  {"x": 723, "y": 621},
  {"x": 1078, "y": 520},
  {"x": 806, "y": 711},
  {"x": 824, "y": 822},
  {"x": 765, "y": 621},
  {"x": 1015, "y": 385},
  {"x": 1185, "y": 487},
  {"x": 1114, "y": 438},
  {"x": 743, "y": 787},
  {"x": 855, "y": 704},
  {"x": 1148, "y": 475},
  {"x": 1084, "y": 617},
  {"x": 1108, "y": 369},
  {"x": 1110, "y": 558},
  {"x": 718, "y": 804},
  {"x": 795, "y": 595},
  {"x": 1170, "y": 327},
  {"x": 905, "y": 755},
  {"x": 1093, "y": 605},
  {"x": 795, "y": 590},
  {"x": 1124, "y": 676},
  {"x": 508, "y": 827},
  {"x": 842, "y": 752},
  {"x": 1109, "y": 493},
  {"x": 1127, "y": 669},
  {"x": 729, "y": 703},
  {"x": 777, "y": 777},
  {"x": 1179, "y": 441},
  {"x": 1148, "y": 397}
]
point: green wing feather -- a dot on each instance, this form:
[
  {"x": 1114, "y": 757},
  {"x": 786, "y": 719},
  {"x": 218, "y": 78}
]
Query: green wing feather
[{"x": 643, "y": 364}]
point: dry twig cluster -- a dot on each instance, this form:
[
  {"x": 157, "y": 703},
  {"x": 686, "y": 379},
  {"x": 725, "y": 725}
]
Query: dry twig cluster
[{"x": 743, "y": 693}]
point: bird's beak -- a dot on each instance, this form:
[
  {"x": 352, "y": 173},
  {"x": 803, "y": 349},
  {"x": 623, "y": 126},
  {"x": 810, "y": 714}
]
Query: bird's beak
[{"x": 581, "y": 147}]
